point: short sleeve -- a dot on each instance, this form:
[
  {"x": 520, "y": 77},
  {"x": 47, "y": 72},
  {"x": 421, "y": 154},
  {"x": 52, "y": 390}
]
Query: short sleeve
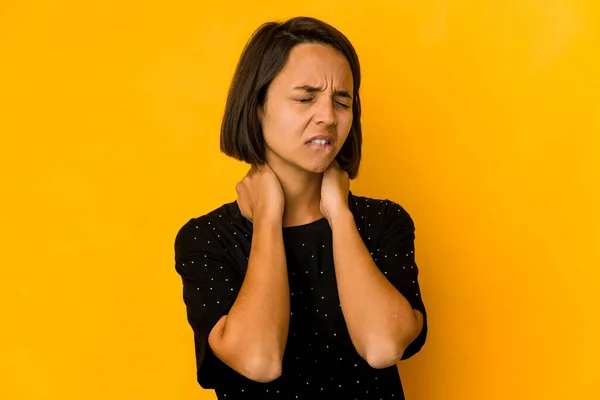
[
  {"x": 210, "y": 287},
  {"x": 395, "y": 257}
]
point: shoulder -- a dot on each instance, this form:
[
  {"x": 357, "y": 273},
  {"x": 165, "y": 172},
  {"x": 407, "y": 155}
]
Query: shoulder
[
  {"x": 375, "y": 209},
  {"x": 380, "y": 220},
  {"x": 200, "y": 241},
  {"x": 208, "y": 224}
]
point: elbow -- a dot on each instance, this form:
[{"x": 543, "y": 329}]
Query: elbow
[
  {"x": 388, "y": 352},
  {"x": 384, "y": 357},
  {"x": 263, "y": 370},
  {"x": 264, "y": 365}
]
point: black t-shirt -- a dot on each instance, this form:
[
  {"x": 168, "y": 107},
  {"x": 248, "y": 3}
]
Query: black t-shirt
[{"x": 320, "y": 361}]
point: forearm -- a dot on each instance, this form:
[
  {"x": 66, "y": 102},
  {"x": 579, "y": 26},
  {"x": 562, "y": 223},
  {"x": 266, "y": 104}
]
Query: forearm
[
  {"x": 381, "y": 322},
  {"x": 256, "y": 328}
]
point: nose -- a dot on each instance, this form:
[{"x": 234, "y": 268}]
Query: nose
[{"x": 325, "y": 114}]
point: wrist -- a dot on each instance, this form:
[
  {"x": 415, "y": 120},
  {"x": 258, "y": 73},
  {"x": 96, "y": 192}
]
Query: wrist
[
  {"x": 341, "y": 218},
  {"x": 267, "y": 222}
]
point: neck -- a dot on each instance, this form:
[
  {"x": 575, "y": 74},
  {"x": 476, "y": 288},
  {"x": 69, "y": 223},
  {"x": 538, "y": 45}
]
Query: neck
[{"x": 302, "y": 192}]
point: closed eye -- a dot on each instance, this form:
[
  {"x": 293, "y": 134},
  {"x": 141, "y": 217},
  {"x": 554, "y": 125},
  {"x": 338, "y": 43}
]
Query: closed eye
[{"x": 309, "y": 99}]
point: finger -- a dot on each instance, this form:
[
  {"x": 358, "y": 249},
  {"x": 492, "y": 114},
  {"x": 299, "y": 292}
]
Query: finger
[{"x": 242, "y": 187}]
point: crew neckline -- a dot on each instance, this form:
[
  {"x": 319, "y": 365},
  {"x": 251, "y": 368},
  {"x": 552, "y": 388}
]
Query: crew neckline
[{"x": 307, "y": 228}]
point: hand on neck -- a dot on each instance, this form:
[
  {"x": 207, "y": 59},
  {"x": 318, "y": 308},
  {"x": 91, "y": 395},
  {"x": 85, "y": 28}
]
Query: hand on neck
[{"x": 302, "y": 192}]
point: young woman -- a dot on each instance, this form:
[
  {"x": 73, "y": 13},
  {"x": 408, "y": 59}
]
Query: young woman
[{"x": 300, "y": 289}]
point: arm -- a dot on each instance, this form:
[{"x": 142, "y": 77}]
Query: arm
[
  {"x": 380, "y": 320},
  {"x": 251, "y": 338}
]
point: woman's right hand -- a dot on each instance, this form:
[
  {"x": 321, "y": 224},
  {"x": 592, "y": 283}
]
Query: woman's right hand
[{"x": 260, "y": 195}]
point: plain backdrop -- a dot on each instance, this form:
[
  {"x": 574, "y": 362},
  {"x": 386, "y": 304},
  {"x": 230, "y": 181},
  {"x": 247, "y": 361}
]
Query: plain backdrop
[{"x": 481, "y": 118}]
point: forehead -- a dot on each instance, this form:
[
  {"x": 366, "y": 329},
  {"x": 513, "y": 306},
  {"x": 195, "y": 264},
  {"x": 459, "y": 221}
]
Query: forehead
[{"x": 316, "y": 64}]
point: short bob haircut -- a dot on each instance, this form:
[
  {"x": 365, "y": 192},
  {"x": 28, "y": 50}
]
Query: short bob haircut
[{"x": 263, "y": 58}]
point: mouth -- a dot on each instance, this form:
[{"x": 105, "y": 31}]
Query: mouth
[
  {"x": 320, "y": 145},
  {"x": 323, "y": 141},
  {"x": 320, "y": 142}
]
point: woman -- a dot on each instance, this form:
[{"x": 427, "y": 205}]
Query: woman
[{"x": 300, "y": 289}]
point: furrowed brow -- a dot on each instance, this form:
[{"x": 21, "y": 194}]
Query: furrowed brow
[{"x": 313, "y": 89}]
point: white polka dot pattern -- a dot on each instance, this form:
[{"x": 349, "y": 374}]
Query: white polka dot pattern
[{"x": 211, "y": 255}]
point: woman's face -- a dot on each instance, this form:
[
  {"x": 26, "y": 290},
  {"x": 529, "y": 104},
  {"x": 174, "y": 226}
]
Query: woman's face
[{"x": 308, "y": 110}]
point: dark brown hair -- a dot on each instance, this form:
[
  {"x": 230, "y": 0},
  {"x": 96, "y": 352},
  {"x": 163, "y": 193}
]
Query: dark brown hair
[{"x": 263, "y": 58}]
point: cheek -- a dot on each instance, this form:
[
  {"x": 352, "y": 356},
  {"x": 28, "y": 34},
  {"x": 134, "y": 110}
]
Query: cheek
[
  {"x": 283, "y": 123},
  {"x": 344, "y": 126},
  {"x": 272, "y": 125}
]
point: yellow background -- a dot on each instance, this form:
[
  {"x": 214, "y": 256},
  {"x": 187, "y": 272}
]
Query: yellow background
[{"x": 482, "y": 118}]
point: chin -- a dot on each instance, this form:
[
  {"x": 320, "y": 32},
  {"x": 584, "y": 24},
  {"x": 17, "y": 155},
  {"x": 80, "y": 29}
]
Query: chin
[{"x": 316, "y": 168}]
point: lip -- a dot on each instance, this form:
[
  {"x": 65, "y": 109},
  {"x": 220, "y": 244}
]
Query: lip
[{"x": 329, "y": 138}]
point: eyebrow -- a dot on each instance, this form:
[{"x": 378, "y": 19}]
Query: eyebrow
[{"x": 312, "y": 89}]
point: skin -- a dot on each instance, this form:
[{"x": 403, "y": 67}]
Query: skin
[{"x": 300, "y": 183}]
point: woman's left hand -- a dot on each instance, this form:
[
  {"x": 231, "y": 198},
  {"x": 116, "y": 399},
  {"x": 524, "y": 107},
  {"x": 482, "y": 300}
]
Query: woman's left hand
[{"x": 334, "y": 191}]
